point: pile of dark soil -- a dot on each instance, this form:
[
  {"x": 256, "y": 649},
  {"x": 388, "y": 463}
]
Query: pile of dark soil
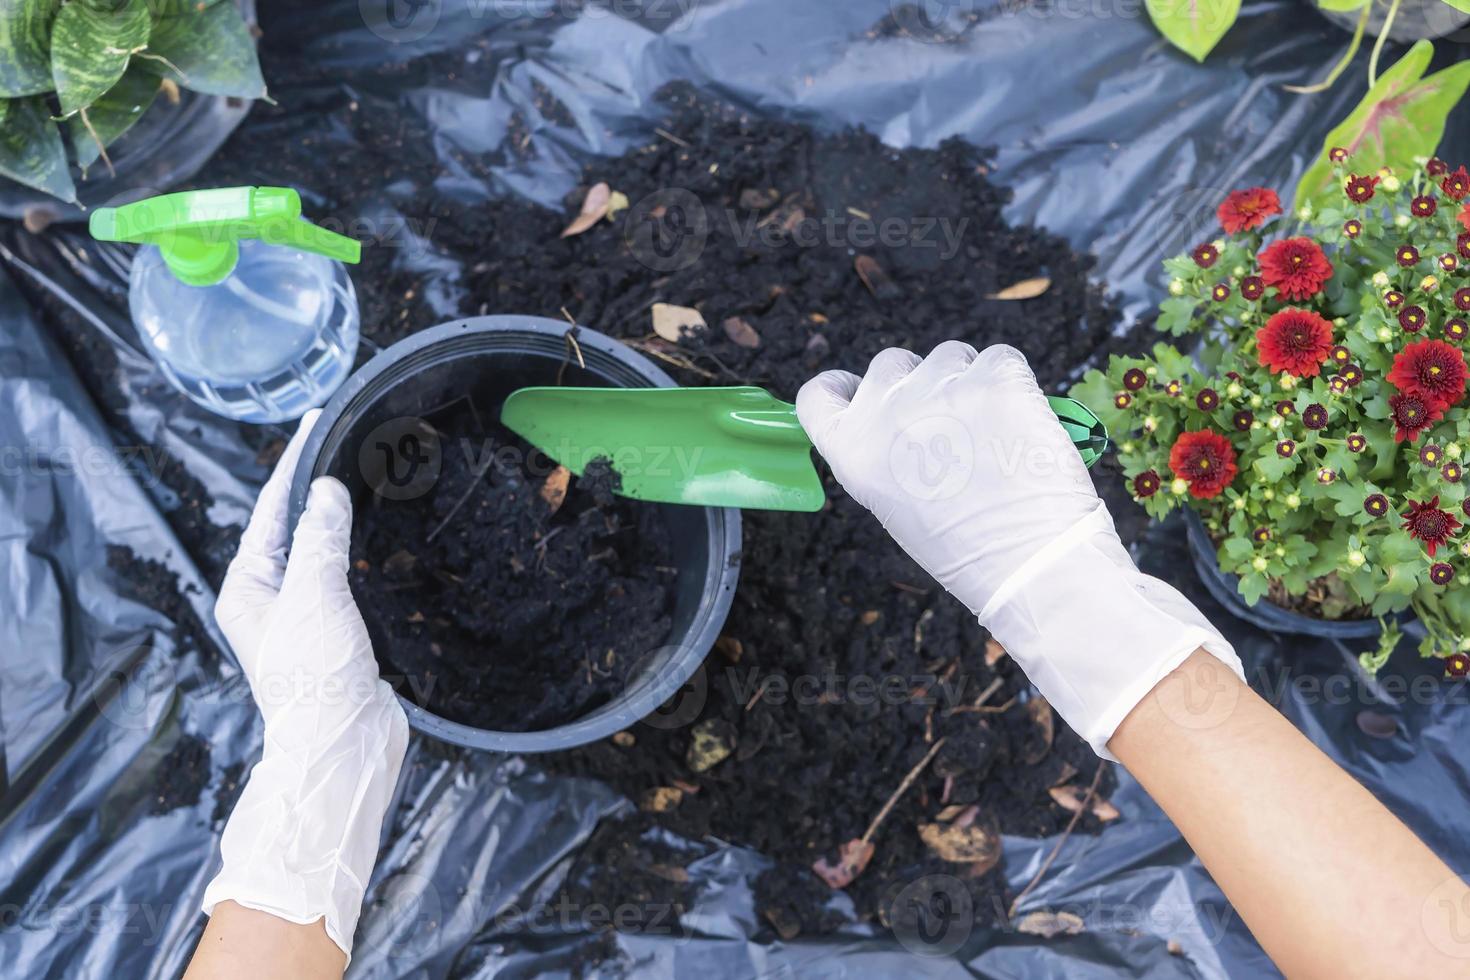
[
  {"x": 842, "y": 667},
  {"x": 512, "y": 596}
]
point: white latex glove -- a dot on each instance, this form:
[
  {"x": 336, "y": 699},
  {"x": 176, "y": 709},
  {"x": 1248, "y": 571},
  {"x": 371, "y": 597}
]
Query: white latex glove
[
  {"x": 963, "y": 461},
  {"x": 303, "y": 837}
]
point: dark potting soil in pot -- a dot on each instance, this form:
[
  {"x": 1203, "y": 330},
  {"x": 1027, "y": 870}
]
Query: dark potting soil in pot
[{"x": 511, "y": 596}]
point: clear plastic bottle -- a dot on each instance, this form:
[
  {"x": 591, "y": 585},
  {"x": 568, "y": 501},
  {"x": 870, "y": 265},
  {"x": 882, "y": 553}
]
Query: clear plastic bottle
[{"x": 243, "y": 305}]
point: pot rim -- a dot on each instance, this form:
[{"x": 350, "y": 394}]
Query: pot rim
[{"x": 442, "y": 343}]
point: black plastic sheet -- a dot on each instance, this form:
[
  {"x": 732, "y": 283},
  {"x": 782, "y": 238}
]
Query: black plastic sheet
[{"x": 1106, "y": 135}]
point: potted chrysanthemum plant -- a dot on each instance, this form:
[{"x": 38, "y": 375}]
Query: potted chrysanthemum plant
[{"x": 1317, "y": 430}]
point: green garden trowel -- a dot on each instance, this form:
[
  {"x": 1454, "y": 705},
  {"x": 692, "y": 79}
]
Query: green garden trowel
[{"x": 716, "y": 447}]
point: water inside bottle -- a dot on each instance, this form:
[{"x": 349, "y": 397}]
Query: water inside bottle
[{"x": 269, "y": 342}]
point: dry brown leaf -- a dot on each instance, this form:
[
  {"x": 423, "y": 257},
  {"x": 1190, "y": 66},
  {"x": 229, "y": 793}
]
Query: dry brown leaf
[
  {"x": 554, "y": 490},
  {"x": 948, "y": 814},
  {"x": 731, "y": 648},
  {"x": 670, "y": 872},
  {"x": 594, "y": 209},
  {"x": 741, "y": 332},
  {"x": 170, "y": 90},
  {"x": 617, "y": 201},
  {"x": 852, "y": 858},
  {"x": 873, "y": 276},
  {"x": 993, "y": 652},
  {"x": 962, "y": 843},
  {"x": 1049, "y": 925},
  {"x": 757, "y": 199},
  {"x": 1070, "y": 798},
  {"x": 670, "y": 321},
  {"x": 1065, "y": 776},
  {"x": 712, "y": 742},
  {"x": 1025, "y": 289},
  {"x": 1045, "y": 721},
  {"x": 661, "y": 799},
  {"x": 785, "y": 922}
]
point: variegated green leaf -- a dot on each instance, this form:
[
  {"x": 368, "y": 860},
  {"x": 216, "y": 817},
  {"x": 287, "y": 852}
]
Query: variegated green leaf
[
  {"x": 112, "y": 115},
  {"x": 175, "y": 8},
  {"x": 1401, "y": 117},
  {"x": 1193, "y": 26},
  {"x": 25, "y": 45},
  {"x": 31, "y": 150},
  {"x": 210, "y": 52},
  {"x": 91, "y": 46}
]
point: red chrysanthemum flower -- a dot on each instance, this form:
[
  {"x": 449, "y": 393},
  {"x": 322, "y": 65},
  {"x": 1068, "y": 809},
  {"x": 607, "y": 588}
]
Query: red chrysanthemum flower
[
  {"x": 1393, "y": 299},
  {"x": 1462, "y": 298},
  {"x": 1247, "y": 209},
  {"x": 1205, "y": 255},
  {"x": 1221, "y": 292},
  {"x": 1448, "y": 262},
  {"x": 1411, "y": 415},
  {"x": 1357, "y": 442},
  {"x": 1451, "y": 472},
  {"x": 1360, "y": 189},
  {"x": 1286, "y": 449},
  {"x": 1295, "y": 341},
  {"x": 1464, "y": 217},
  {"x": 1423, "y": 206},
  {"x": 1352, "y": 374},
  {"x": 1457, "y": 184},
  {"x": 1146, "y": 484},
  {"x": 1352, "y": 228},
  {"x": 1431, "y": 369},
  {"x": 1407, "y": 255},
  {"x": 1205, "y": 460},
  {"x": 1252, "y": 287},
  {"x": 1337, "y": 154},
  {"x": 1426, "y": 522},
  {"x": 1134, "y": 379},
  {"x": 1462, "y": 242},
  {"x": 1207, "y": 400},
  {"x": 1262, "y": 534},
  {"x": 1122, "y": 399},
  {"x": 1456, "y": 665},
  {"x": 1441, "y": 573},
  {"x": 1436, "y": 167},
  {"x": 1242, "y": 420},
  {"x": 1340, "y": 354},
  {"x": 1315, "y": 416},
  {"x": 1431, "y": 455},
  {"x": 1456, "y": 329},
  {"x": 1411, "y": 318},
  {"x": 1297, "y": 267},
  {"x": 1375, "y": 504}
]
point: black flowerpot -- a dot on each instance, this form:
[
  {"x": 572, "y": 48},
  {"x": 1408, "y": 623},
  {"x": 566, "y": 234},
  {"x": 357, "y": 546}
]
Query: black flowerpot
[
  {"x": 491, "y": 356},
  {"x": 1225, "y": 588}
]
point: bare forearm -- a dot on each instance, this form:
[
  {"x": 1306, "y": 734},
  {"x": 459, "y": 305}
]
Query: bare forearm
[
  {"x": 243, "y": 943},
  {"x": 1328, "y": 880}
]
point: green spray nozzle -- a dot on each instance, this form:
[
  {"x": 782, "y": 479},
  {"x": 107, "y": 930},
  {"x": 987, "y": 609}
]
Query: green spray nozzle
[{"x": 198, "y": 231}]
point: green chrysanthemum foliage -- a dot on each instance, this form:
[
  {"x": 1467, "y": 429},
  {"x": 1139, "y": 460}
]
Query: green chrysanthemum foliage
[
  {"x": 80, "y": 73},
  {"x": 1330, "y": 462}
]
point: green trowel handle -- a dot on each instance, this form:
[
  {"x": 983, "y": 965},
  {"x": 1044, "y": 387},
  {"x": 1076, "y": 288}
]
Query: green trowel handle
[{"x": 1086, "y": 430}]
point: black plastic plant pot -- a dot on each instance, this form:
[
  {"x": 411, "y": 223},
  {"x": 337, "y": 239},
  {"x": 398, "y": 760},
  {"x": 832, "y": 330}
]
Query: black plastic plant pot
[
  {"x": 490, "y": 357},
  {"x": 1224, "y": 587}
]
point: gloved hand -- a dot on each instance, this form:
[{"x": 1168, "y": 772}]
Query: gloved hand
[
  {"x": 963, "y": 461},
  {"x": 303, "y": 837}
]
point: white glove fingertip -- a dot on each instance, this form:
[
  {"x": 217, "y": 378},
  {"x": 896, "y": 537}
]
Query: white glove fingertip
[{"x": 821, "y": 400}]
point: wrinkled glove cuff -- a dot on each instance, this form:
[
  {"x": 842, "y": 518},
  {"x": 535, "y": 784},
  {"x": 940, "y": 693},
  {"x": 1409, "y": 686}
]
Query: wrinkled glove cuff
[
  {"x": 1092, "y": 632},
  {"x": 303, "y": 838}
]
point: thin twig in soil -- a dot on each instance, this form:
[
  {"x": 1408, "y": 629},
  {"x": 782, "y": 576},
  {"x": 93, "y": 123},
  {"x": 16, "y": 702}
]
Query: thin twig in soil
[
  {"x": 758, "y": 693},
  {"x": 1057, "y": 848},
  {"x": 671, "y": 137},
  {"x": 680, "y": 362},
  {"x": 905, "y": 587},
  {"x": 479, "y": 473},
  {"x": 979, "y": 702},
  {"x": 902, "y": 788}
]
